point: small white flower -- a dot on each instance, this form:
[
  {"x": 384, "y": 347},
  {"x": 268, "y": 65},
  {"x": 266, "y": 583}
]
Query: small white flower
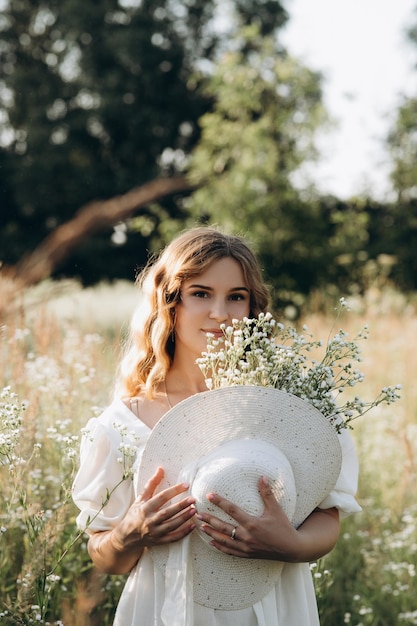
[{"x": 261, "y": 351}]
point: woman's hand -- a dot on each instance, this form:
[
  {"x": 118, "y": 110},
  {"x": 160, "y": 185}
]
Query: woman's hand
[
  {"x": 271, "y": 536},
  {"x": 153, "y": 519}
]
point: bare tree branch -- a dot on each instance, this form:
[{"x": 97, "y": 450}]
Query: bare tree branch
[{"x": 90, "y": 219}]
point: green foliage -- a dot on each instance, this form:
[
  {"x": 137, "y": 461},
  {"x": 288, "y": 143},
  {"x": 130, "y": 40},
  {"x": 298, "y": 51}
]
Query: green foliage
[
  {"x": 267, "y": 108},
  {"x": 402, "y": 142},
  {"x": 85, "y": 91},
  {"x": 400, "y": 219},
  {"x": 95, "y": 99},
  {"x": 357, "y": 591}
]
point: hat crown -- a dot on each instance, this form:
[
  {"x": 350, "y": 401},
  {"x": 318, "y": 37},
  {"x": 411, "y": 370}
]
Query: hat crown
[{"x": 233, "y": 471}]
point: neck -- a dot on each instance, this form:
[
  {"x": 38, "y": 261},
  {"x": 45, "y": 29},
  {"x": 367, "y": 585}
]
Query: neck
[{"x": 185, "y": 381}]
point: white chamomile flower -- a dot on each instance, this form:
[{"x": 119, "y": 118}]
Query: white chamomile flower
[{"x": 263, "y": 352}]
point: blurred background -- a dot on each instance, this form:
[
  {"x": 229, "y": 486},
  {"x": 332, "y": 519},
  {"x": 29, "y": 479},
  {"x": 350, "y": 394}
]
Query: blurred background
[{"x": 292, "y": 123}]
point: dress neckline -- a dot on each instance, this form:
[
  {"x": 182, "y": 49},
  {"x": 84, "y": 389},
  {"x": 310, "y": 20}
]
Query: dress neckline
[{"x": 129, "y": 413}]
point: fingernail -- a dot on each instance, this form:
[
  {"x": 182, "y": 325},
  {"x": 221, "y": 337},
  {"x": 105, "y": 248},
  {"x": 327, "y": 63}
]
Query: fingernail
[
  {"x": 265, "y": 481},
  {"x": 210, "y": 496}
]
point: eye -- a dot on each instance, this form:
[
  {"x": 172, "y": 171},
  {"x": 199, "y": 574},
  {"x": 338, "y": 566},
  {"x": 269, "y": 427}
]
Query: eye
[
  {"x": 238, "y": 297},
  {"x": 200, "y": 294}
]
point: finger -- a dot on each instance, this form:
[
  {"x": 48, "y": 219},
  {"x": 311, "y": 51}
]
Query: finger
[
  {"x": 230, "y": 549},
  {"x": 219, "y": 531},
  {"x": 266, "y": 491},
  {"x": 272, "y": 506},
  {"x": 217, "y": 528},
  {"x": 151, "y": 485},
  {"x": 225, "y": 543},
  {"x": 162, "y": 498},
  {"x": 175, "y": 535},
  {"x": 173, "y": 529},
  {"x": 177, "y": 527},
  {"x": 228, "y": 507},
  {"x": 172, "y": 510}
]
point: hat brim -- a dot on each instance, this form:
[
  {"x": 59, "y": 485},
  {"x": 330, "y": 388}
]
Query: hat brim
[{"x": 203, "y": 422}]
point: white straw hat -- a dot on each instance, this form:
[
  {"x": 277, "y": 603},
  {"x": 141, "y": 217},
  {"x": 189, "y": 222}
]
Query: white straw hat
[{"x": 224, "y": 441}]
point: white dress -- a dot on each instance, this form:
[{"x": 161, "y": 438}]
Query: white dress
[{"x": 117, "y": 439}]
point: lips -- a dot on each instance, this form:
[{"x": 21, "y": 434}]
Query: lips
[{"x": 217, "y": 332}]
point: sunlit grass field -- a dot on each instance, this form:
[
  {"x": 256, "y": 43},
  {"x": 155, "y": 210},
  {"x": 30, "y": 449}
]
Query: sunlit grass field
[{"x": 59, "y": 348}]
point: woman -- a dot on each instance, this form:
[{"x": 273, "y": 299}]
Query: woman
[{"x": 203, "y": 279}]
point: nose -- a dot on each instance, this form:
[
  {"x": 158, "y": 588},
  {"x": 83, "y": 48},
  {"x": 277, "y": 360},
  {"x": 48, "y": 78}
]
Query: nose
[{"x": 219, "y": 311}]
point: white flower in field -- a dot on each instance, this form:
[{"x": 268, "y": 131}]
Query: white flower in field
[
  {"x": 408, "y": 616},
  {"x": 53, "y": 578},
  {"x": 120, "y": 428},
  {"x": 128, "y": 448},
  {"x": 19, "y": 334},
  {"x": 85, "y": 432},
  {"x": 365, "y": 610}
]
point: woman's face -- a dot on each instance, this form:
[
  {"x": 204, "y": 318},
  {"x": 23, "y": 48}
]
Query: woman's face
[{"x": 215, "y": 297}]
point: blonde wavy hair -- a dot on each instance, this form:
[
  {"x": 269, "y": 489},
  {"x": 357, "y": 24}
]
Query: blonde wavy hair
[{"x": 151, "y": 343}]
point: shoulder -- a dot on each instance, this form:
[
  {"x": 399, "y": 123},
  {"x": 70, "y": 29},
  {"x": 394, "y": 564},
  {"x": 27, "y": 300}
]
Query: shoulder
[{"x": 116, "y": 423}]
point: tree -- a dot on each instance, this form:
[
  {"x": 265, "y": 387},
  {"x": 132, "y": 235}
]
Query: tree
[
  {"x": 97, "y": 98},
  {"x": 402, "y": 141},
  {"x": 261, "y": 129},
  {"x": 397, "y": 224}
]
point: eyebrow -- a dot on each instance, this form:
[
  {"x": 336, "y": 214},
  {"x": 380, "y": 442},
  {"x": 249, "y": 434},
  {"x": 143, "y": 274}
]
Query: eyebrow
[{"x": 197, "y": 286}]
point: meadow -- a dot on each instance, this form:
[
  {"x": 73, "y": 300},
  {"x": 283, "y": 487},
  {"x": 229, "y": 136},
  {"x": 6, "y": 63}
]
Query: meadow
[{"x": 59, "y": 347}]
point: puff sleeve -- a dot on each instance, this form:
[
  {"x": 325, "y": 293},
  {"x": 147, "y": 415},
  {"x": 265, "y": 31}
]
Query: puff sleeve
[
  {"x": 103, "y": 488},
  {"x": 343, "y": 495}
]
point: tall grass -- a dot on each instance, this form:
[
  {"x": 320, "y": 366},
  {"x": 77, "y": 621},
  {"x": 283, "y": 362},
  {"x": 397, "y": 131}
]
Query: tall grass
[
  {"x": 58, "y": 356},
  {"x": 55, "y": 373},
  {"x": 371, "y": 577}
]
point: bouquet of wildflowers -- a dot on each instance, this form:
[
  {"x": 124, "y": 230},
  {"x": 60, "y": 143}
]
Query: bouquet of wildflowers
[{"x": 263, "y": 352}]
